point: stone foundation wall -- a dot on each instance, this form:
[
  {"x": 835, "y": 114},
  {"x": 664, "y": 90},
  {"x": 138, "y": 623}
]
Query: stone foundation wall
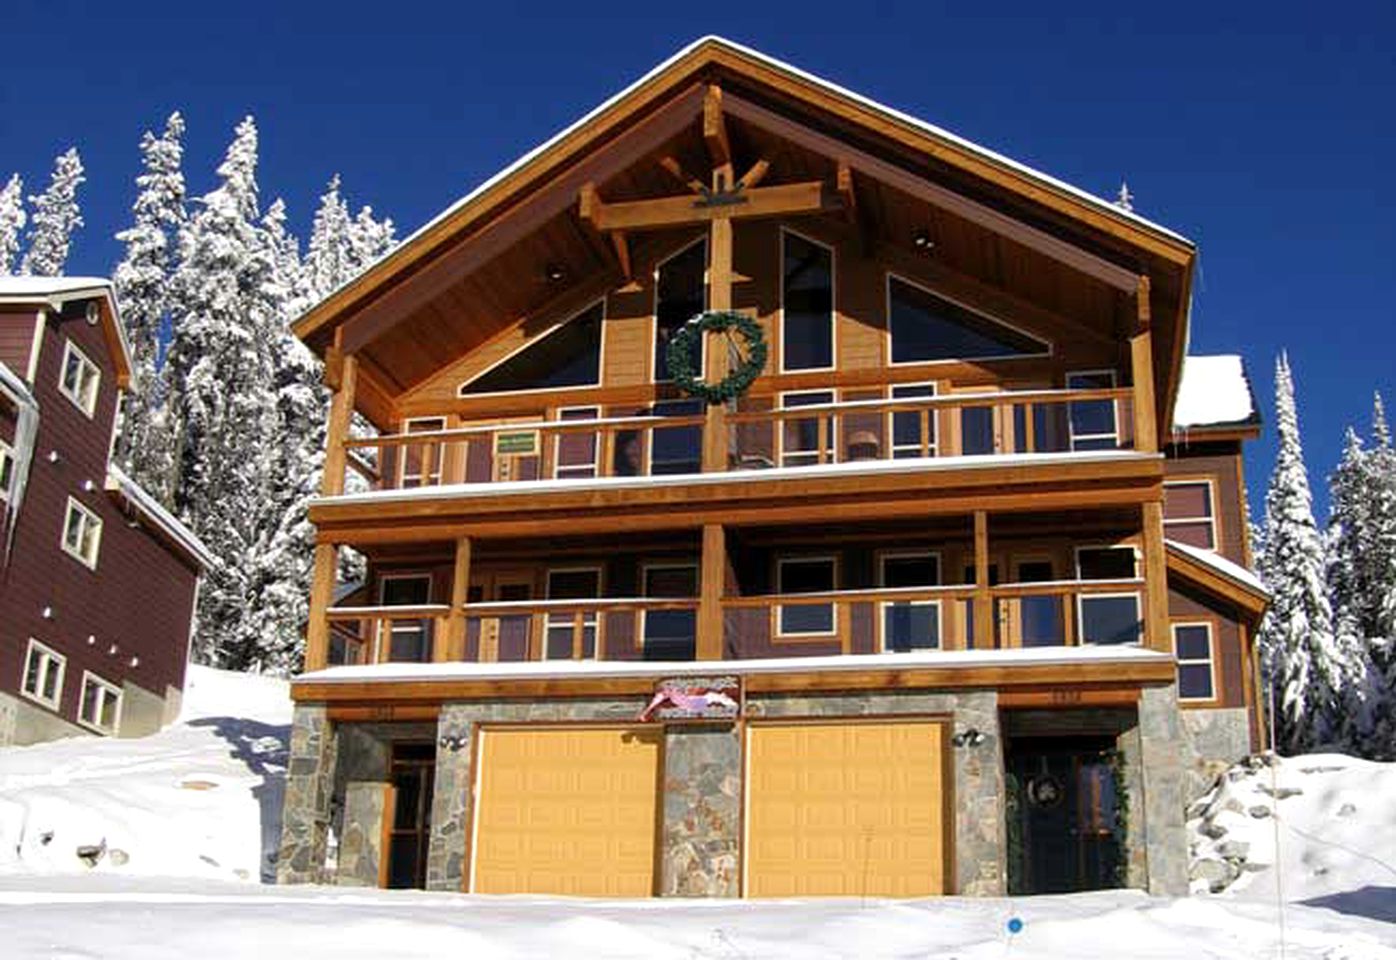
[
  {"x": 702, "y": 811},
  {"x": 361, "y": 852},
  {"x": 23, "y": 723},
  {"x": 1215, "y": 740},
  {"x": 1162, "y": 754},
  {"x": 305, "y": 811}
]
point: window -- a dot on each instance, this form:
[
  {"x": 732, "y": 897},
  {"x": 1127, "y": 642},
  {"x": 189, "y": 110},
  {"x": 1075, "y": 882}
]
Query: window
[
  {"x": 1192, "y": 644},
  {"x": 1040, "y": 621},
  {"x": 670, "y": 634},
  {"x": 421, "y": 462},
  {"x": 805, "y": 575},
  {"x": 101, "y": 704},
  {"x": 910, "y": 624},
  {"x": 1094, "y": 424},
  {"x": 43, "y": 675},
  {"x": 1108, "y": 618},
  {"x": 82, "y": 533},
  {"x": 409, "y": 641},
  {"x": 680, "y": 295},
  {"x": 799, "y": 438},
  {"x": 80, "y": 379},
  {"x": 7, "y": 470},
  {"x": 907, "y": 435},
  {"x": 1188, "y": 516},
  {"x": 569, "y": 355},
  {"x": 927, "y": 327},
  {"x": 574, "y": 454},
  {"x": 676, "y": 449},
  {"x": 807, "y": 305},
  {"x": 576, "y": 583}
]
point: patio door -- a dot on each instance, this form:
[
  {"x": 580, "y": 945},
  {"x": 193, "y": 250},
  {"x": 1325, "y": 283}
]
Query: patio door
[{"x": 504, "y": 637}]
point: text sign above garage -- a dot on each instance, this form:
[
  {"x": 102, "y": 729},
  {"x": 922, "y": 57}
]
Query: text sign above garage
[{"x": 695, "y": 698}]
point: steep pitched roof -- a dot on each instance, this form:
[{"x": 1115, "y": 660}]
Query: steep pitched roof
[{"x": 54, "y": 292}]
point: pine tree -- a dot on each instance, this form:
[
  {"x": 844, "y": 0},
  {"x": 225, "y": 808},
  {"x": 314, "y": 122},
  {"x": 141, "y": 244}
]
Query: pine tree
[
  {"x": 56, "y": 216},
  {"x": 142, "y": 278},
  {"x": 1348, "y": 545},
  {"x": 329, "y": 254},
  {"x": 12, "y": 221},
  {"x": 1297, "y": 642},
  {"x": 1381, "y": 584},
  {"x": 369, "y": 240}
]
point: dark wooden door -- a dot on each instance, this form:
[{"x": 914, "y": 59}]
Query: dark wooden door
[{"x": 413, "y": 776}]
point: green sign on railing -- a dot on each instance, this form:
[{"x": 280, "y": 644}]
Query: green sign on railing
[{"x": 516, "y": 443}]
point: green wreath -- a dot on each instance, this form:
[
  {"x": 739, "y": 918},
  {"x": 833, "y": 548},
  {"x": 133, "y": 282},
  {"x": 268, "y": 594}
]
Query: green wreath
[{"x": 686, "y": 350}]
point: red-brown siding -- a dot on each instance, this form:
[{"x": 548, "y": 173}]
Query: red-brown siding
[{"x": 16, "y": 339}]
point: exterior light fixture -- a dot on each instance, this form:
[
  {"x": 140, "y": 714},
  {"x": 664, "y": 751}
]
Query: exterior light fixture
[
  {"x": 555, "y": 272},
  {"x": 453, "y": 743},
  {"x": 969, "y": 738},
  {"x": 922, "y": 241}
]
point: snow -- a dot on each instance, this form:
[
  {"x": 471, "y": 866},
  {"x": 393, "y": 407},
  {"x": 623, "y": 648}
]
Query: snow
[
  {"x": 13, "y": 288},
  {"x": 1222, "y": 565},
  {"x": 159, "y": 515},
  {"x": 1213, "y": 390}
]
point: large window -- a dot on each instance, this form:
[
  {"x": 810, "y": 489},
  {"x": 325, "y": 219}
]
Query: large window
[
  {"x": 1188, "y": 515},
  {"x": 43, "y": 675},
  {"x": 409, "y": 641},
  {"x": 82, "y": 533},
  {"x": 910, "y": 624},
  {"x": 101, "y": 704},
  {"x": 572, "y": 583},
  {"x": 7, "y": 470},
  {"x": 670, "y": 634},
  {"x": 795, "y": 575},
  {"x": 1094, "y": 423},
  {"x": 80, "y": 379},
  {"x": 799, "y": 437},
  {"x": 1192, "y": 645},
  {"x": 680, "y": 295},
  {"x": 1108, "y": 618},
  {"x": 569, "y": 355},
  {"x": 927, "y": 327},
  {"x": 807, "y": 305},
  {"x": 911, "y": 435}
]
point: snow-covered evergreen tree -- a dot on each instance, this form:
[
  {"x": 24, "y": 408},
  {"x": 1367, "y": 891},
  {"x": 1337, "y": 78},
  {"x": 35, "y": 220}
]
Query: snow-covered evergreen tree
[
  {"x": 56, "y": 216},
  {"x": 12, "y": 220},
  {"x": 1381, "y": 586},
  {"x": 329, "y": 256},
  {"x": 369, "y": 239},
  {"x": 142, "y": 278}
]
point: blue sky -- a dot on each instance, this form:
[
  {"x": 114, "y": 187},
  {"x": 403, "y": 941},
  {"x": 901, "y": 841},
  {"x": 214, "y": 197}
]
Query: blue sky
[{"x": 1265, "y": 132}]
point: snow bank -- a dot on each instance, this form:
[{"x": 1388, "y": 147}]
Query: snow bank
[{"x": 199, "y": 799}]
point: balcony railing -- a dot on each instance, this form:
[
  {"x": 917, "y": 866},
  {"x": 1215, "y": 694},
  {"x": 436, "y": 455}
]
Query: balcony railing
[{"x": 759, "y": 434}]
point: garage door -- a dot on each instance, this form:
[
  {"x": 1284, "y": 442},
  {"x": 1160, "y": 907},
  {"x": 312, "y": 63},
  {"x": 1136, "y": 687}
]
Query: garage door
[
  {"x": 567, "y": 811},
  {"x": 846, "y": 809}
]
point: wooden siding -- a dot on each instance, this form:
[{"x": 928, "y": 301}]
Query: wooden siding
[
  {"x": 1230, "y": 668},
  {"x": 17, "y": 339},
  {"x": 1222, "y": 465}
]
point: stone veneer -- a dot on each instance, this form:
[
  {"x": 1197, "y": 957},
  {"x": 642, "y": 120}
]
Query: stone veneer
[
  {"x": 702, "y": 811},
  {"x": 361, "y": 838},
  {"x": 1215, "y": 739},
  {"x": 305, "y": 812},
  {"x": 1162, "y": 751}
]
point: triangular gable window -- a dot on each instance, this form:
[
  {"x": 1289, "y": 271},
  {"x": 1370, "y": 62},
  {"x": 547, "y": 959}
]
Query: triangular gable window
[
  {"x": 567, "y": 356},
  {"x": 926, "y": 327}
]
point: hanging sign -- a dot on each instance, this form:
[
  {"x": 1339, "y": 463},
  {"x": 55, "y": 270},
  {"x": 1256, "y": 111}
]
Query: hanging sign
[
  {"x": 516, "y": 443},
  {"x": 695, "y": 698}
]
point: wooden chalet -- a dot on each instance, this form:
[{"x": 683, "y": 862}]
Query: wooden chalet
[{"x": 938, "y": 602}]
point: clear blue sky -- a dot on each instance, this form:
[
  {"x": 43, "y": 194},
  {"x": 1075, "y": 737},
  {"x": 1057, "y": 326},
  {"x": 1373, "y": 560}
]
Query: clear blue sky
[{"x": 1266, "y": 132}]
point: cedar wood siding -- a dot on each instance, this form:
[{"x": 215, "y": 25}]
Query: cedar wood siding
[
  {"x": 16, "y": 339},
  {"x": 140, "y": 596},
  {"x": 1184, "y": 605}
]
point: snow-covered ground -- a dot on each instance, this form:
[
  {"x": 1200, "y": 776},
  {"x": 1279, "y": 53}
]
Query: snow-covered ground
[{"x": 188, "y": 816}]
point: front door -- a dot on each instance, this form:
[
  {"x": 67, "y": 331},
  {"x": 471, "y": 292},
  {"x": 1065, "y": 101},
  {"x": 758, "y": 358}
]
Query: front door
[
  {"x": 413, "y": 776},
  {"x": 1065, "y": 834}
]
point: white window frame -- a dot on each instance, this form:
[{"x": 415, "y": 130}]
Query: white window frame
[
  {"x": 645, "y": 569},
  {"x": 7, "y": 471},
  {"x": 654, "y": 308},
  {"x": 1081, "y": 599},
  {"x": 396, "y": 626},
  {"x": 1211, "y": 660},
  {"x": 1076, "y": 555},
  {"x": 83, "y": 394},
  {"x": 831, "y": 435},
  {"x": 591, "y": 619},
  {"x": 882, "y": 557},
  {"x": 431, "y": 474},
  {"x": 781, "y": 563},
  {"x": 593, "y": 413},
  {"x": 52, "y": 660},
  {"x": 534, "y": 341},
  {"x": 931, "y": 424},
  {"x": 91, "y": 679},
  {"x": 88, "y": 520},
  {"x": 1072, "y": 435},
  {"x": 833, "y": 303},
  {"x": 1210, "y": 484},
  {"x": 891, "y": 275}
]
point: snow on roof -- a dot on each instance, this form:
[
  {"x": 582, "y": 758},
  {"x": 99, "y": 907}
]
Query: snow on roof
[
  {"x": 574, "y": 669},
  {"x": 13, "y": 383},
  {"x": 1214, "y": 391},
  {"x": 1227, "y": 568},
  {"x": 157, "y": 514},
  {"x": 55, "y": 291}
]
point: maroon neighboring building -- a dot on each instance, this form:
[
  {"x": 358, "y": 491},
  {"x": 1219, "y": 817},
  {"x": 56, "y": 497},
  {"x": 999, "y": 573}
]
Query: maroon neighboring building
[{"x": 98, "y": 583}]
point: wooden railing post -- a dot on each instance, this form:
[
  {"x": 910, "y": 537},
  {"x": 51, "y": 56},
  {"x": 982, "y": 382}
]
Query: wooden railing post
[
  {"x": 1156, "y": 634},
  {"x": 711, "y": 586},
  {"x": 342, "y": 375},
  {"x": 983, "y": 602},
  {"x": 1141, "y": 355},
  {"x": 453, "y": 649},
  {"x": 317, "y": 630}
]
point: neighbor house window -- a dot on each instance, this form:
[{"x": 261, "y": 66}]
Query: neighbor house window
[
  {"x": 799, "y": 438},
  {"x": 80, "y": 379},
  {"x": 1094, "y": 424},
  {"x": 926, "y": 327},
  {"x": 1192, "y": 645},
  {"x": 82, "y": 533},
  {"x": 805, "y": 575},
  {"x": 409, "y": 641},
  {"x": 1108, "y": 618},
  {"x": 1188, "y": 513},
  {"x": 908, "y": 437},
  {"x": 43, "y": 675},
  {"x": 680, "y": 295},
  {"x": 807, "y": 305},
  {"x": 7, "y": 470},
  {"x": 910, "y": 624},
  {"x": 101, "y": 704},
  {"x": 573, "y": 583},
  {"x": 670, "y": 634}
]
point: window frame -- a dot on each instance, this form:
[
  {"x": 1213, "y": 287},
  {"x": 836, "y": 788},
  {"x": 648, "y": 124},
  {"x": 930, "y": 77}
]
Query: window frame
[
  {"x": 560, "y": 416},
  {"x": 91, "y": 519},
  {"x": 649, "y": 432},
  {"x": 1213, "y": 522},
  {"x": 1211, "y": 660},
  {"x": 833, "y": 303},
  {"x": 51, "y": 657},
  {"x": 603, "y": 300},
  {"x": 1080, "y": 638},
  {"x": 1071, "y": 435},
  {"x": 423, "y": 479},
  {"x": 90, "y": 678},
  {"x": 422, "y": 625},
  {"x": 592, "y": 620},
  {"x": 891, "y": 275},
  {"x": 778, "y": 631},
  {"x": 89, "y": 405},
  {"x": 932, "y": 424},
  {"x": 831, "y": 434},
  {"x": 880, "y": 559},
  {"x": 1076, "y": 556},
  {"x": 7, "y": 470},
  {"x": 654, "y": 308},
  {"x": 645, "y": 568}
]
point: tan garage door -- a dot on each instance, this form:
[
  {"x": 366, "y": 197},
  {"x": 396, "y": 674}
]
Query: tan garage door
[
  {"x": 846, "y": 809},
  {"x": 567, "y": 811}
]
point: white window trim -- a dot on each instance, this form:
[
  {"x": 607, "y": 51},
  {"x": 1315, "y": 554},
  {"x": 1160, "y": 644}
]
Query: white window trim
[
  {"x": 1081, "y": 620},
  {"x": 592, "y": 619},
  {"x": 1210, "y": 484},
  {"x": 833, "y": 303},
  {"x": 437, "y": 471},
  {"x": 781, "y": 562},
  {"x": 54, "y": 659},
  {"x": 882, "y": 557},
  {"x": 831, "y": 437},
  {"x": 91, "y": 518},
  {"x": 886, "y": 605},
  {"x": 654, "y": 307},
  {"x": 88, "y": 677},
  {"x": 7, "y": 455},
  {"x": 1072, "y": 435},
  {"x": 600, "y": 362},
  {"x": 88, "y": 406},
  {"x": 394, "y": 626},
  {"x": 992, "y": 317},
  {"x": 1076, "y": 556},
  {"x": 931, "y": 425},
  {"x": 593, "y": 413},
  {"x": 645, "y": 569},
  {"x": 1211, "y": 660}
]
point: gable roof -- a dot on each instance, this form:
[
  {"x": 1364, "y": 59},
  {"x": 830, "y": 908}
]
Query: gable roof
[
  {"x": 55, "y": 292},
  {"x": 164, "y": 523},
  {"x": 1219, "y": 576},
  {"x": 1214, "y": 393}
]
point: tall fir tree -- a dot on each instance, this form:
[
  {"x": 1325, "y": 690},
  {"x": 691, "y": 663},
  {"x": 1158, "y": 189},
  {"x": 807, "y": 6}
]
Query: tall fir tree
[
  {"x": 12, "y": 219},
  {"x": 329, "y": 253},
  {"x": 142, "y": 278},
  {"x": 369, "y": 239},
  {"x": 1381, "y": 575},
  {"x": 56, "y": 216}
]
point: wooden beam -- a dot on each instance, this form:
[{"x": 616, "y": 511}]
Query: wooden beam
[
  {"x": 317, "y": 628},
  {"x": 676, "y": 170},
  {"x": 337, "y": 430},
  {"x": 843, "y": 182},
  {"x": 622, "y": 248},
  {"x": 1141, "y": 357},
  {"x": 453, "y": 649},
  {"x": 1156, "y": 632},
  {"x": 983, "y": 601},
  {"x": 790, "y": 198},
  {"x": 712, "y": 585},
  {"x": 715, "y": 127},
  {"x": 755, "y": 175}
]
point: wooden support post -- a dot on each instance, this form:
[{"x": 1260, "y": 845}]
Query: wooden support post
[
  {"x": 453, "y": 647},
  {"x": 1156, "y": 635},
  {"x": 719, "y": 298},
  {"x": 317, "y": 630},
  {"x": 715, "y": 128},
  {"x": 1141, "y": 352},
  {"x": 712, "y": 584},
  {"x": 337, "y": 431},
  {"x": 983, "y": 603}
]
